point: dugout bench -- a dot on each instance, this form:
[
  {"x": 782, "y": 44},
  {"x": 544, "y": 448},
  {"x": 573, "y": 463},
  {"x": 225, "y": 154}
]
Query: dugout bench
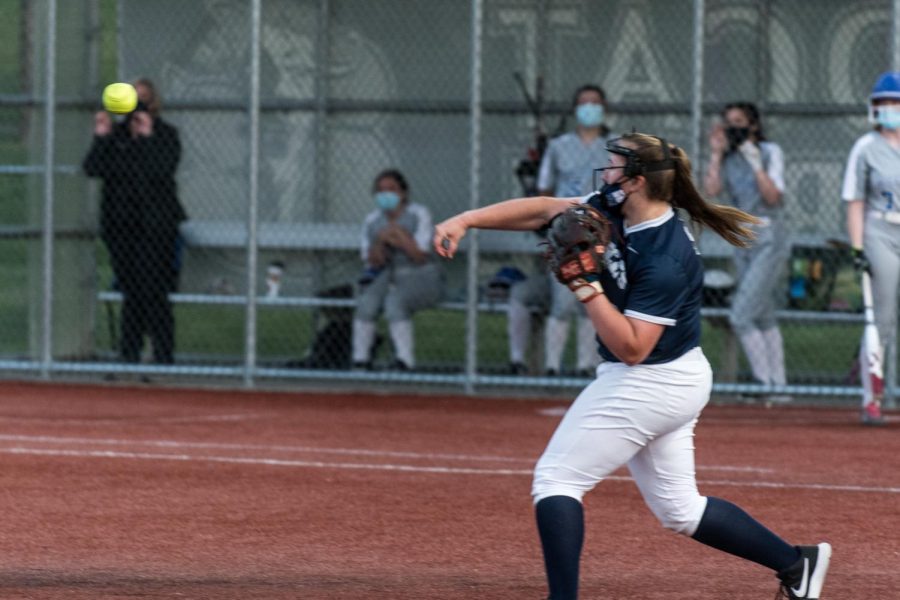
[{"x": 345, "y": 238}]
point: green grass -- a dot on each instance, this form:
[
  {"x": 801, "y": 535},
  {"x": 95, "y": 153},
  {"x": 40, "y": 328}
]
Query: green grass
[{"x": 10, "y": 49}]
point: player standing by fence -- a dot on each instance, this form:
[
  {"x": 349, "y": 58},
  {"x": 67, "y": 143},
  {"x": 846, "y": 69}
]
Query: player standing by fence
[
  {"x": 644, "y": 300},
  {"x": 566, "y": 172},
  {"x": 750, "y": 169},
  {"x": 872, "y": 192}
]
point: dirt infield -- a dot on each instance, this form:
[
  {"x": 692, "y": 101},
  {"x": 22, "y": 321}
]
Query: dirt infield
[{"x": 114, "y": 492}]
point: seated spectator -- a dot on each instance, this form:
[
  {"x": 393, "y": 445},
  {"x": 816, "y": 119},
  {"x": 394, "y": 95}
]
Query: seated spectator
[{"x": 400, "y": 274}]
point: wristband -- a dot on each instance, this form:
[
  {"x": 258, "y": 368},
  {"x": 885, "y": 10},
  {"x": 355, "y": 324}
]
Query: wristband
[{"x": 588, "y": 291}]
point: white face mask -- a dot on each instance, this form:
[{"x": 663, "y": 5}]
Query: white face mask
[
  {"x": 387, "y": 201},
  {"x": 589, "y": 114},
  {"x": 888, "y": 116}
]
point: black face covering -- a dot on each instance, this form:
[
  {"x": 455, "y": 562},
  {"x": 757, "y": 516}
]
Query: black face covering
[
  {"x": 613, "y": 196},
  {"x": 737, "y": 136}
]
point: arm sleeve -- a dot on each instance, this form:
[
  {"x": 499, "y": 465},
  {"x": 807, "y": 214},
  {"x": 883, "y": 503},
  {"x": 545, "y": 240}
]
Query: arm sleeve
[
  {"x": 364, "y": 241},
  {"x": 854, "y": 187},
  {"x": 775, "y": 168},
  {"x": 424, "y": 229},
  {"x": 93, "y": 161},
  {"x": 160, "y": 152},
  {"x": 105, "y": 160},
  {"x": 546, "y": 174},
  {"x": 658, "y": 291}
]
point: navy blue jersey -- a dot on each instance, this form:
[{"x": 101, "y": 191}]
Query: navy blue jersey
[{"x": 654, "y": 273}]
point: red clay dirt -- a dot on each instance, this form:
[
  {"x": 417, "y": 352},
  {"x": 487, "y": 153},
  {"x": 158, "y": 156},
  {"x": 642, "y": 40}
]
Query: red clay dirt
[{"x": 116, "y": 492}]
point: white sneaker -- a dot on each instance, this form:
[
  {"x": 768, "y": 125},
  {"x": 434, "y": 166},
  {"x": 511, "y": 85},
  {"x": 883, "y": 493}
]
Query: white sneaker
[
  {"x": 804, "y": 579},
  {"x": 778, "y": 400}
]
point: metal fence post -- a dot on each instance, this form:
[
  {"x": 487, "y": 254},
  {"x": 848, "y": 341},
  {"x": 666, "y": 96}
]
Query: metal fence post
[
  {"x": 253, "y": 196},
  {"x": 49, "y": 158},
  {"x": 895, "y": 35},
  {"x": 697, "y": 85},
  {"x": 474, "y": 184}
]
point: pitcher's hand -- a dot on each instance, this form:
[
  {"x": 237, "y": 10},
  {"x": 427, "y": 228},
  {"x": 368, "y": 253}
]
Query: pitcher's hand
[{"x": 448, "y": 234}]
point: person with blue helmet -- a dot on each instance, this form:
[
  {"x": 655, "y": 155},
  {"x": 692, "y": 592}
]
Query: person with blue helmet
[{"x": 871, "y": 190}]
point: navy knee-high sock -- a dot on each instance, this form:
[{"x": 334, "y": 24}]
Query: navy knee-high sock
[
  {"x": 727, "y": 527},
  {"x": 560, "y": 521}
]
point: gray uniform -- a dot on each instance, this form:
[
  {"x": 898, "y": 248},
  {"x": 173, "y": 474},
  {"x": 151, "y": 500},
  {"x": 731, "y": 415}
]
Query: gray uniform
[
  {"x": 759, "y": 267},
  {"x": 568, "y": 169},
  {"x": 402, "y": 286},
  {"x": 873, "y": 176}
]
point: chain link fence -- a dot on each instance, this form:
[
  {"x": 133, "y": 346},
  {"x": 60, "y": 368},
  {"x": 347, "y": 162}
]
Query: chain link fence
[{"x": 282, "y": 113}]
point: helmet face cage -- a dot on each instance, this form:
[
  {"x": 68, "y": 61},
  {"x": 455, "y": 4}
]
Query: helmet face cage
[{"x": 634, "y": 166}]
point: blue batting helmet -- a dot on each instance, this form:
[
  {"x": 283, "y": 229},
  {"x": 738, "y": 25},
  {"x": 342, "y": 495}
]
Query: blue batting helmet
[{"x": 887, "y": 87}]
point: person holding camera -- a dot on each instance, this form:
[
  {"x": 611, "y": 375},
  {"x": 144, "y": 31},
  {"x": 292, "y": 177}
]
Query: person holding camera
[
  {"x": 136, "y": 158},
  {"x": 749, "y": 169}
]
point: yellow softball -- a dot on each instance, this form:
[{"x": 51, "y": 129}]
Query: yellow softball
[{"x": 120, "y": 98}]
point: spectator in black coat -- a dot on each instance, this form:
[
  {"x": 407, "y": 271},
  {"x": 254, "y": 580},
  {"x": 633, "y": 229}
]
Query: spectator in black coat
[{"x": 139, "y": 218}]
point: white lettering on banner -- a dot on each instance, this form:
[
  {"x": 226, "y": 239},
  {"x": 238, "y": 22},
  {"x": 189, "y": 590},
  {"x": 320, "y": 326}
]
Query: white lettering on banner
[
  {"x": 634, "y": 71},
  {"x": 851, "y": 26},
  {"x": 522, "y": 24},
  {"x": 213, "y": 65}
]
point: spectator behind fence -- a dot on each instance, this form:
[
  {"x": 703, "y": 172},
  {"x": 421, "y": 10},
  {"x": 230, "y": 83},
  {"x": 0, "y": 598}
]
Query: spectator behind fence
[
  {"x": 566, "y": 171},
  {"x": 136, "y": 158},
  {"x": 750, "y": 169},
  {"x": 400, "y": 276},
  {"x": 872, "y": 192}
]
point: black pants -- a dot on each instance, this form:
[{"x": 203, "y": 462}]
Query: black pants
[
  {"x": 151, "y": 314},
  {"x": 144, "y": 263}
]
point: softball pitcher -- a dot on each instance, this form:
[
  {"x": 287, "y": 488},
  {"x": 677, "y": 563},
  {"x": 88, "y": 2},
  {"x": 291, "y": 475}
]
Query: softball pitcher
[
  {"x": 643, "y": 299},
  {"x": 872, "y": 192}
]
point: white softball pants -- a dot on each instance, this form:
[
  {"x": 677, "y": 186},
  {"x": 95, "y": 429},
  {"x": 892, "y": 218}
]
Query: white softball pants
[
  {"x": 641, "y": 416},
  {"x": 882, "y": 247}
]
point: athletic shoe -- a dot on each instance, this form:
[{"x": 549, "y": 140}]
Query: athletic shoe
[
  {"x": 871, "y": 414},
  {"x": 777, "y": 400},
  {"x": 517, "y": 368},
  {"x": 804, "y": 579},
  {"x": 399, "y": 365}
]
